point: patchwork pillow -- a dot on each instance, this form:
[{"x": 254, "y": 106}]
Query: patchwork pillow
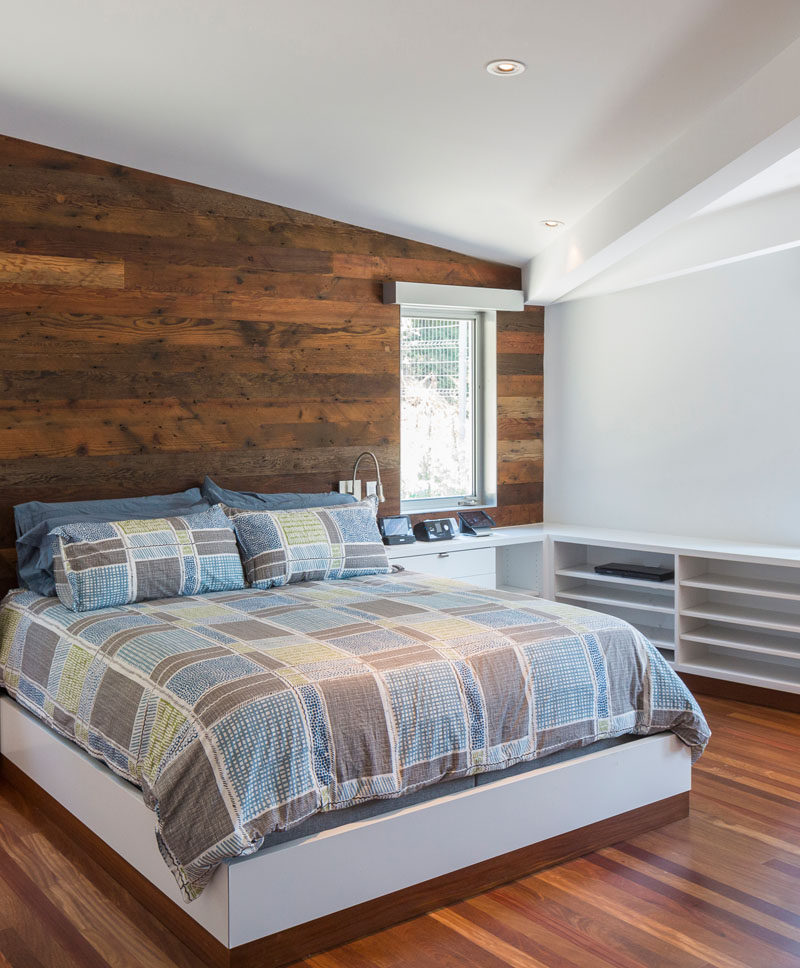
[
  {"x": 310, "y": 544},
  {"x": 118, "y": 562},
  {"x": 35, "y": 520}
]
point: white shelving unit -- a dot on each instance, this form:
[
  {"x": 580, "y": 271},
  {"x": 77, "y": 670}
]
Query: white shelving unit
[{"x": 733, "y": 611}]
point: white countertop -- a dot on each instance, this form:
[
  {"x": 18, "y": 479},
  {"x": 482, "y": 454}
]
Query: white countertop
[
  {"x": 518, "y": 534},
  {"x": 610, "y": 537}
]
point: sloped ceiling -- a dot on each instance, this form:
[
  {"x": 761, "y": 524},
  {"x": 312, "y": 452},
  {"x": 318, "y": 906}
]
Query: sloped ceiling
[{"x": 380, "y": 112}]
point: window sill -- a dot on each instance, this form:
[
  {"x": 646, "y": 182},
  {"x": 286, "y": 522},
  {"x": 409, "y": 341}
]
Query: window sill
[{"x": 443, "y": 508}]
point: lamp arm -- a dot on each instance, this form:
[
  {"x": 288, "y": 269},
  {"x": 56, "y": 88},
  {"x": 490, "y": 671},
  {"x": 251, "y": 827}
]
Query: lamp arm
[{"x": 368, "y": 453}]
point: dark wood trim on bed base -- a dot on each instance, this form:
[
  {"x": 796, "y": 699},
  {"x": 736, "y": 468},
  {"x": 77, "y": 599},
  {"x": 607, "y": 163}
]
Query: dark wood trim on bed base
[
  {"x": 327, "y": 932},
  {"x": 741, "y": 692}
]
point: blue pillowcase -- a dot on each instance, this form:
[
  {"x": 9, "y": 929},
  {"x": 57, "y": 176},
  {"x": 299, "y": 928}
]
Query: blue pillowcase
[
  {"x": 253, "y": 501},
  {"x": 36, "y": 519},
  {"x": 102, "y": 564}
]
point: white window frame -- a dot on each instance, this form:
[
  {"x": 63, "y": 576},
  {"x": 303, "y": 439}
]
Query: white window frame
[{"x": 484, "y": 449}]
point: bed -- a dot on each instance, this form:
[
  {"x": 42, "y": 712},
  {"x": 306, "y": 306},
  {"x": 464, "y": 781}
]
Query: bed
[{"x": 330, "y": 746}]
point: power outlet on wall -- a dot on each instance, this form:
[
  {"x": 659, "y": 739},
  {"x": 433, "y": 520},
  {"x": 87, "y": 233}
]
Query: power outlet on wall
[{"x": 352, "y": 487}]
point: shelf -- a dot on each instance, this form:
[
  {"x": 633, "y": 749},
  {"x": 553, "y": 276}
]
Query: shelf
[
  {"x": 753, "y": 672},
  {"x": 744, "y": 615},
  {"x": 661, "y": 638},
  {"x": 765, "y": 587},
  {"x": 743, "y": 641},
  {"x": 532, "y": 592},
  {"x": 587, "y": 573},
  {"x": 621, "y": 596}
]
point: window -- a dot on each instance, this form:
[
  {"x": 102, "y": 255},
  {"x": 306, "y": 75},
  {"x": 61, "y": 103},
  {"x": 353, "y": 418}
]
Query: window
[{"x": 447, "y": 405}]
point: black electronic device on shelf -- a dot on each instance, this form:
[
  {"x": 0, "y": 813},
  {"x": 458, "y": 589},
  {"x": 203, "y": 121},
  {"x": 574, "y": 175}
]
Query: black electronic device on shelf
[
  {"x": 396, "y": 530},
  {"x": 475, "y": 522},
  {"x": 644, "y": 572},
  {"x": 435, "y": 529}
]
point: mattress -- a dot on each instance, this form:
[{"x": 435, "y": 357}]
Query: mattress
[{"x": 244, "y": 713}]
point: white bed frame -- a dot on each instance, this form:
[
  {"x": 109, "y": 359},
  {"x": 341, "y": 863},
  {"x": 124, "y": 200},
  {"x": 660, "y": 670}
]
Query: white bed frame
[{"x": 268, "y": 908}]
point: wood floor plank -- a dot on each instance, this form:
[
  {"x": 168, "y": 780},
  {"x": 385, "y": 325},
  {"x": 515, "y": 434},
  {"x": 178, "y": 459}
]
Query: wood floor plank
[
  {"x": 527, "y": 929},
  {"x": 645, "y": 913},
  {"x": 719, "y": 889},
  {"x": 792, "y": 869},
  {"x": 704, "y": 910},
  {"x": 116, "y": 925},
  {"x": 620, "y": 935},
  {"x": 36, "y": 900},
  {"x": 489, "y": 941},
  {"x": 712, "y": 889},
  {"x": 722, "y": 861}
]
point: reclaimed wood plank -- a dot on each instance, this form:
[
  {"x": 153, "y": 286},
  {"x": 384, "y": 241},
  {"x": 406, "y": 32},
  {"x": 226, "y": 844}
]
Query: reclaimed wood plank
[{"x": 50, "y": 270}]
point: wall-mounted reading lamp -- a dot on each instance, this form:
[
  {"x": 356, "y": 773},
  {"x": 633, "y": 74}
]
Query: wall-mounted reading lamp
[{"x": 379, "y": 491}]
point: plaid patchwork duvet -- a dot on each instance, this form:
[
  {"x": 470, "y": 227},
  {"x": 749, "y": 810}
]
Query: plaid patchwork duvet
[{"x": 240, "y": 713}]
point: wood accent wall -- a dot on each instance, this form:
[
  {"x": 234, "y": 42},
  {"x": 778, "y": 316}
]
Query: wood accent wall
[{"x": 153, "y": 331}]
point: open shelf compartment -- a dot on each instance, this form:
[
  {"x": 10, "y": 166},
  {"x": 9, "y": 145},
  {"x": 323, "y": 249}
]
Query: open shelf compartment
[
  {"x": 766, "y": 671},
  {"x": 740, "y": 620},
  {"x": 633, "y": 598},
  {"x": 647, "y": 605},
  {"x": 741, "y": 578},
  {"x": 737, "y": 639}
]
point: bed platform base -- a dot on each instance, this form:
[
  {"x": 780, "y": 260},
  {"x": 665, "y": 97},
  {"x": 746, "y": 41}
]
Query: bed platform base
[{"x": 298, "y": 898}]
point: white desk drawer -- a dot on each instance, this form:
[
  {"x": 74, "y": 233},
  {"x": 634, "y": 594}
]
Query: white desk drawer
[{"x": 452, "y": 564}]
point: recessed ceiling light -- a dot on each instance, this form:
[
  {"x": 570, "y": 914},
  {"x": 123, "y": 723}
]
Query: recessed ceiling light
[
  {"x": 552, "y": 223},
  {"x": 505, "y": 68}
]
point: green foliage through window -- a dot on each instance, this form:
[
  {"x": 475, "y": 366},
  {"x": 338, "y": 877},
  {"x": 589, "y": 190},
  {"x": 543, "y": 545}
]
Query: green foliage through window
[{"x": 437, "y": 407}]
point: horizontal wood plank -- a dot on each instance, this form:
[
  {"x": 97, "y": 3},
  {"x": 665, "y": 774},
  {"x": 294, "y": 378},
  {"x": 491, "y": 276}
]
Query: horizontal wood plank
[{"x": 44, "y": 270}]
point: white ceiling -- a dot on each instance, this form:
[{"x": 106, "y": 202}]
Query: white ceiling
[{"x": 380, "y": 112}]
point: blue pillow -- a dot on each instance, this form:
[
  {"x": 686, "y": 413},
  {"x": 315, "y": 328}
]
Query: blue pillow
[
  {"x": 252, "y": 501},
  {"x": 35, "y": 520}
]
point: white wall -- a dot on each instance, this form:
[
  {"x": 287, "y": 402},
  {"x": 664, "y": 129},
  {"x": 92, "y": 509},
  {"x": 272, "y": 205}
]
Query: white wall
[{"x": 675, "y": 407}]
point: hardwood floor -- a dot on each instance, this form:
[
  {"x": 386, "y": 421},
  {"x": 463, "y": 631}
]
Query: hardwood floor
[{"x": 721, "y": 888}]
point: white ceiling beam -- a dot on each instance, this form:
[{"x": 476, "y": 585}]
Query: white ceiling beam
[
  {"x": 754, "y": 228},
  {"x": 746, "y": 132},
  {"x": 416, "y": 294}
]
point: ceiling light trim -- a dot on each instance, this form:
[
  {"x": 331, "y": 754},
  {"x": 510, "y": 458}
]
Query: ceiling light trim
[{"x": 505, "y": 67}]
